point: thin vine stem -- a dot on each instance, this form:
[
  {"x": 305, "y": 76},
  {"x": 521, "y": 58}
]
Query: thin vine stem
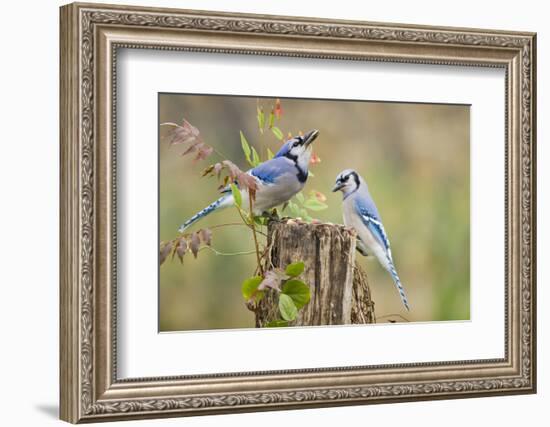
[
  {"x": 387, "y": 316},
  {"x": 258, "y": 258},
  {"x": 219, "y": 253},
  {"x": 236, "y": 224}
]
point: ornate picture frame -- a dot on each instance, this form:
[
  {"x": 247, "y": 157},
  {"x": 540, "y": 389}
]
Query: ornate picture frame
[{"x": 90, "y": 37}]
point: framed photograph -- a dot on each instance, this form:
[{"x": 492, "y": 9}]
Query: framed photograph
[{"x": 230, "y": 186}]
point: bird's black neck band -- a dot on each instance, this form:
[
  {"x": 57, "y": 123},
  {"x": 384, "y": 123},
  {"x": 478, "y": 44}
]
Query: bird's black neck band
[
  {"x": 357, "y": 184},
  {"x": 302, "y": 175},
  {"x": 356, "y": 179},
  {"x": 292, "y": 157}
]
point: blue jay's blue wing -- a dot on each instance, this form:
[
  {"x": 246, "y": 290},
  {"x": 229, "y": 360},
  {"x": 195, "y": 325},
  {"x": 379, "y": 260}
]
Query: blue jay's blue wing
[
  {"x": 377, "y": 229},
  {"x": 269, "y": 171},
  {"x": 365, "y": 206},
  {"x": 370, "y": 217}
]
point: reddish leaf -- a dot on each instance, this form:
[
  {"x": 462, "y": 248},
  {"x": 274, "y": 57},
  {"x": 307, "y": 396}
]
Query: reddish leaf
[
  {"x": 191, "y": 148},
  {"x": 195, "y": 243},
  {"x": 271, "y": 120},
  {"x": 209, "y": 169},
  {"x": 206, "y": 236},
  {"x": 261, "y": 118},
  {"x": 184, "y": 133},
  {"x": 189, "y": 128},
  {"x": 218, "y": 169},
  {"x": 203, "y": 151},
  {"x": 273, "y": 279},
  {"x": 165, "y": 251},
  {"x": 181, "y": 249},
  {"x": 234, "y": 173},
  {"x": 315, "y": 159},
  {"x": 278, "y": 109},
  {"x": 180, "y": 136},
  {"x": 248, "y": 182},
  {"x": 234, "y": 170},
  {"x": 319, "y": 196}
]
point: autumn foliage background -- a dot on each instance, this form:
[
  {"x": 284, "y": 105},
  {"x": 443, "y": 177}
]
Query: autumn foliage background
[{"x": 414, "y": 157}]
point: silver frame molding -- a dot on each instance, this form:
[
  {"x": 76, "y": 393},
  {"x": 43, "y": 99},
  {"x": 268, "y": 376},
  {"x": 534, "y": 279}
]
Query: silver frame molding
[{"x": 90, "y": 37}]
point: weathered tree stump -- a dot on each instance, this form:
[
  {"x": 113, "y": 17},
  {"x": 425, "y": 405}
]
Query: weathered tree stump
[{"x": 340, "y": 292}]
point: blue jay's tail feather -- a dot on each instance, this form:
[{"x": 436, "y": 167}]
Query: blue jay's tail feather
[
  {"x": 398, "y": 285},
  {"x": 222, "y": 202}
]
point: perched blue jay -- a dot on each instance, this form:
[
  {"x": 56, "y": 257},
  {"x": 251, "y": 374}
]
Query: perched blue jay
[
  {"x": 361, "y": 213},
  {"x": 278, "y": 179}
]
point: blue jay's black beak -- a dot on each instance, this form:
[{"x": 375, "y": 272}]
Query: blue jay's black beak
[
  {"x": 337, "y": 186},
  {"x": 310, "y": 136}
]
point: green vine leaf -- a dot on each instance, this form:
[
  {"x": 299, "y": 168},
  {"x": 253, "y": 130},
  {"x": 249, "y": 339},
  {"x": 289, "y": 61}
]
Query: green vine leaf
[
  {"x": 246, "y": 148},
  {"x": 255, "y": 158},
  {"x": 298, "y": 291},
  {"x": 250, "y": 287},
  {"x": 237, "y": 197},
  {"x": 261, "y": 220},
  {"x": 277, "y": 132},
  {"x": 276, "y": 324},
  {"x": 293, "y": 209},
  {"x": 261, "y": 119},
  {"x": 295, "y": 269},
  {"x": 314, "y": 205},
  {"x": 287, "y": 308}
]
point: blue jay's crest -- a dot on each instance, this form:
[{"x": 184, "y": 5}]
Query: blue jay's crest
[
  {"x": 298, "y": 150},
  {"x": 361, "y": 213},
  {"x": 297, "y": 145}
]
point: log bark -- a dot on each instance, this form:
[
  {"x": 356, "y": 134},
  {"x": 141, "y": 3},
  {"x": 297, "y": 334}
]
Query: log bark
[{"x": 340, "y": 292}]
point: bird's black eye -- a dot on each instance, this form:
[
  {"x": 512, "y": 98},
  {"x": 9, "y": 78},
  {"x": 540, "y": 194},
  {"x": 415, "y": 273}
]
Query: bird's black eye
[
  {"x": 296, "y": 143},
  {"x": 345, "y": 178}
]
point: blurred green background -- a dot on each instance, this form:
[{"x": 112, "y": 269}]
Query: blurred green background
[{"x": 414, "y": 157}]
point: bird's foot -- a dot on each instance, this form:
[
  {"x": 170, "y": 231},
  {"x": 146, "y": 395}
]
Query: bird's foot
[{"x": 272, "y": 215}]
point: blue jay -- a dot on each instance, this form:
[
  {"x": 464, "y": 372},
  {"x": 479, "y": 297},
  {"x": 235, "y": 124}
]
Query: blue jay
[
  {"x": 278, "y": 179},
  {"x": 361, "y": 213}
]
